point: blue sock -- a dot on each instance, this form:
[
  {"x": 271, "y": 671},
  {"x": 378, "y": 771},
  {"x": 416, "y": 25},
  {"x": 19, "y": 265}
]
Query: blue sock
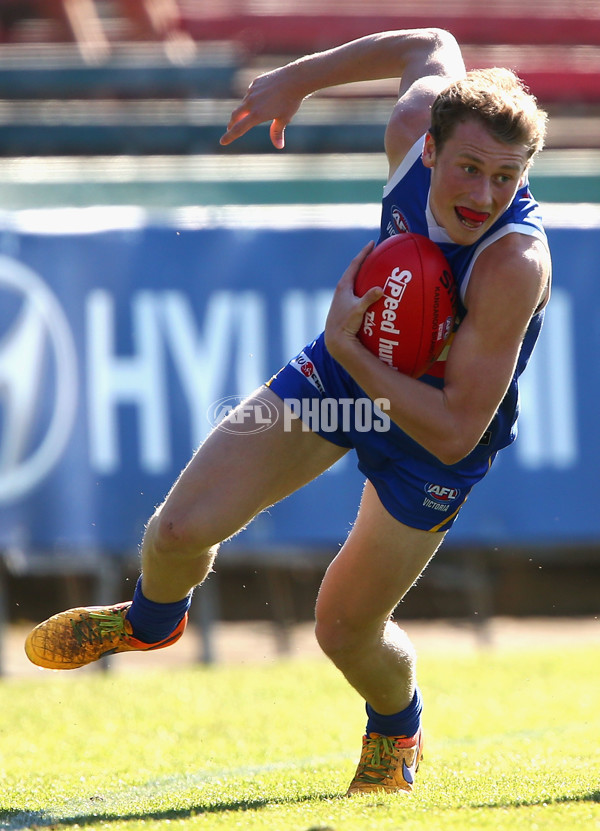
[
  {"x": 404, "y": 723},
  {"x": 153, "y": 622}
]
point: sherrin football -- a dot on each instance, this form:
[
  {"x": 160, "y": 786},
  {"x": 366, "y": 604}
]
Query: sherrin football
[{"x": 410, "y": 325}]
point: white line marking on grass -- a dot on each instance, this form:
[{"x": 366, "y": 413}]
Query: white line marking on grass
[{"x": 111, "y": 805}]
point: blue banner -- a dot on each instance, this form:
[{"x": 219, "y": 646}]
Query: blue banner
[{"x": 121, "y": 332}]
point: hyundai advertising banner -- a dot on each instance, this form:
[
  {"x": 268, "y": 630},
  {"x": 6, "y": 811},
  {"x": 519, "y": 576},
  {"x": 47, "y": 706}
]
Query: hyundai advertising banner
[{"x": 124, "y": 337}]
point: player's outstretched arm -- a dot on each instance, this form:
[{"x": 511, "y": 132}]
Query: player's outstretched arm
[{"x": 412, "y": 55}]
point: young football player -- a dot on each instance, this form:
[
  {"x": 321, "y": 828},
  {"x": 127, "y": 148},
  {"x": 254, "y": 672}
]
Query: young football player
[{"x": 459, "y": 147}]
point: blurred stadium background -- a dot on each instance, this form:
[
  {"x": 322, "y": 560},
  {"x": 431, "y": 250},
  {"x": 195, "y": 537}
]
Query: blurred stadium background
[{"x": 148, "y": 274}]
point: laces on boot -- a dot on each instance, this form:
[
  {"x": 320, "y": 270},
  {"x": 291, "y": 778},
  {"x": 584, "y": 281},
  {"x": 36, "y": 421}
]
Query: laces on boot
[
  {"x": 377, "y": 761},
  {"x": 96, "y": 625}
]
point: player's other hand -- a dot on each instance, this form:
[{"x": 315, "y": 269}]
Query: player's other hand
[
  {"x": 270, "y": 97},
  {"x": 347, "y": 310}
]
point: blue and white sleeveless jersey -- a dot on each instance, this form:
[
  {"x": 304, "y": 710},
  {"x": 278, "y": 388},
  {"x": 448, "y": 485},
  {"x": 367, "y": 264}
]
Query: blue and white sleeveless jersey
[
  {"x": 412, "y": 484},
  {"x": 405, "y": 207}
]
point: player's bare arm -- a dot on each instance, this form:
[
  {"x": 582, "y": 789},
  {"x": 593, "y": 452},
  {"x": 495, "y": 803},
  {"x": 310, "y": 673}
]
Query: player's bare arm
[
  {"x": 426, "y": 60},
  {"x": 508, "y": 284}
]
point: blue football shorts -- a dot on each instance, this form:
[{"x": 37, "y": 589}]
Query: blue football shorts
[{"x": 412, "y": 484}]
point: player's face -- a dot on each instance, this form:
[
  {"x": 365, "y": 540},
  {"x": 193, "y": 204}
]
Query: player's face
[{"x": 474, "y": 179}]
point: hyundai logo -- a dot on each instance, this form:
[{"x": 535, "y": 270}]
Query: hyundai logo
[{"x": 38, "y": 380}]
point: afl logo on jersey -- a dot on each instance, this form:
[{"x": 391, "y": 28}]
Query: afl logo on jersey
[{"x": 400, "y": 223}]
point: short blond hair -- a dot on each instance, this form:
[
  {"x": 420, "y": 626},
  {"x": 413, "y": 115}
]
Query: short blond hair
[{"x": 499, "y": 100}]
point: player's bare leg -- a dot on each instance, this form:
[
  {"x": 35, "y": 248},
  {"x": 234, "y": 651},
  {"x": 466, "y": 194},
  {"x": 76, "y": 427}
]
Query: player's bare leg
[
  {"x": 234, "y": 475},
  {"x": 379, "y": 562}
]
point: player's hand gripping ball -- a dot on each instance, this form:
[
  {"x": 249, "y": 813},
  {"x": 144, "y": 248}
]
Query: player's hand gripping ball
[{"x": 410, "y": 325}]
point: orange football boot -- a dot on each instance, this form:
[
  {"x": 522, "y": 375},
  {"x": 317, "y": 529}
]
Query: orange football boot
[
  {"x": 387, "y": 763},
  {"x": 77, "y": 637}
]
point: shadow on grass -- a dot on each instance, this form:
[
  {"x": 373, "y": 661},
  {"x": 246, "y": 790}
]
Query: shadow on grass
[
  {"x": 14, "y": 820},
  {"x": 594, "y": 796}
]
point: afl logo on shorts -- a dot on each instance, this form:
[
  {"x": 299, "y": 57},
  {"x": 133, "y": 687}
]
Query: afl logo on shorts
[{"x": 441, "y": 493}]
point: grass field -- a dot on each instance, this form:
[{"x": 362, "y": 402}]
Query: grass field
[{"x": 512, "y": 743}]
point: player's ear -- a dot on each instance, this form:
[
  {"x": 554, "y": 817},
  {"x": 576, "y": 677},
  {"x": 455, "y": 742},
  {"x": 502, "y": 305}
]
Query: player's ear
[
  {"x": 428, "y": 154},
  {"x": 524, "y": 175}
]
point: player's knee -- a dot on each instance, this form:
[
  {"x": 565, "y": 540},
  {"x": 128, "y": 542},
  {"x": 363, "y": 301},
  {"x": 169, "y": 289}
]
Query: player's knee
[
  {"x": 346, "y": 637},
  {"x": 336, "y": 634},
  {"x": 168, "y": 536}
]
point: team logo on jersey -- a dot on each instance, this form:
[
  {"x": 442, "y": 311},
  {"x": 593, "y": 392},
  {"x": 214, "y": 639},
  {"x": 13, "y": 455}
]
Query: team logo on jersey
[
  {"x": 304, "y": 365},
  {"x": 400, "y": 223}
]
